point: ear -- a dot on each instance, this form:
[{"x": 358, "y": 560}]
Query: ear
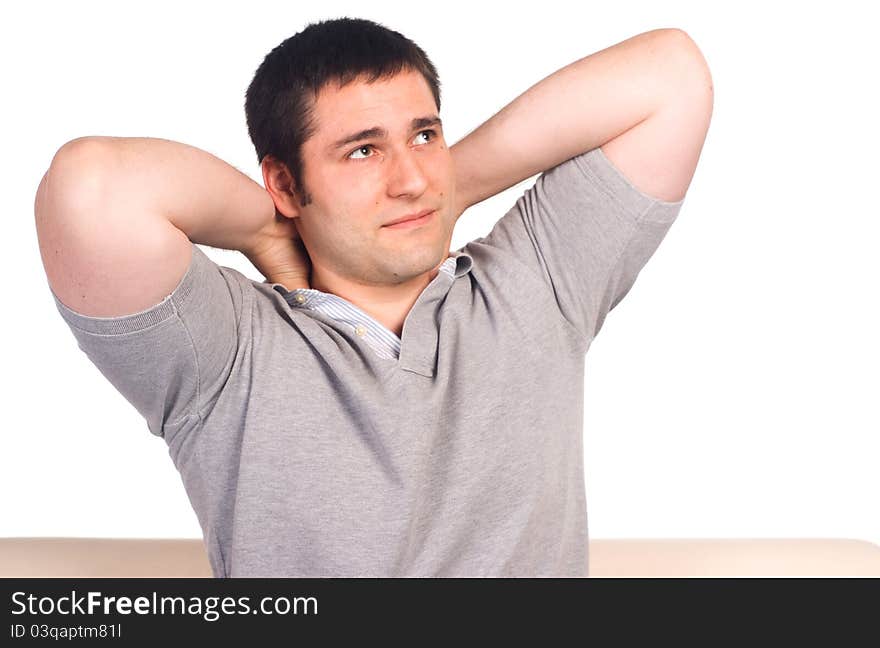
[{"x": 280, "y": 185}]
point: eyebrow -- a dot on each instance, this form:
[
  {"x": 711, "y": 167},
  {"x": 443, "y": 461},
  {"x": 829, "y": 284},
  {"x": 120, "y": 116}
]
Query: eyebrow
[{"x": 380, "y": 133}]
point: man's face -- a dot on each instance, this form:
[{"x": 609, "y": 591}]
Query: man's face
[{"x": 359, "y": 186}]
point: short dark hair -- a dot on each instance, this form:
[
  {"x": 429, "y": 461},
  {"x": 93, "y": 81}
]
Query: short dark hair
[{"x": 279, "y": 101}]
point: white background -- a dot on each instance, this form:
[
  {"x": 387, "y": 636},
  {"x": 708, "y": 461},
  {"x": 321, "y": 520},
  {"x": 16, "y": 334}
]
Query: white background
[{"x": 732, "y": 393}]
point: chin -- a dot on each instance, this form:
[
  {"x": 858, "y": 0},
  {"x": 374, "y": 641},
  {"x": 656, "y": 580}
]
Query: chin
[{"x": 418, "y": 262}]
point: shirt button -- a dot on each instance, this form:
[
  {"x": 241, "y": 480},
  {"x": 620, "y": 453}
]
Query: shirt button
[
  {"x": 360, "y": 330},
  {"x": 300, "y": 298}
]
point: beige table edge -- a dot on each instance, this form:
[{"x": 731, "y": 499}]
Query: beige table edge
[{"x": 68, "y": 557}]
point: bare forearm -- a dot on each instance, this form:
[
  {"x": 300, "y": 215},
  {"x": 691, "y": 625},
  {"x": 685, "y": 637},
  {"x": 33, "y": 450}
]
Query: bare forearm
[
  {"x": 211, "y": 201},
  {"x": 575, "y": 109}
]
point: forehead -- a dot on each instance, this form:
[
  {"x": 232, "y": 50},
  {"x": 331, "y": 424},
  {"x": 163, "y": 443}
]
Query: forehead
[{"x": 390, "y": 102}]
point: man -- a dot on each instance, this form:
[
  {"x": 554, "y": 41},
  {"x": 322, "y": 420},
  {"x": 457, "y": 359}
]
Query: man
[{"x": 381, "y": 405}]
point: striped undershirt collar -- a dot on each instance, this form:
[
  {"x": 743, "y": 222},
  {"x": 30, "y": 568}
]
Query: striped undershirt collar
[{"x": 383, "y": 341}]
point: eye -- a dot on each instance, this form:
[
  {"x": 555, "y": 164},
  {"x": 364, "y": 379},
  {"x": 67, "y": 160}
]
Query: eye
[
  {"x": 359, "y": 149},
  {"x": 432, "y": 131}
]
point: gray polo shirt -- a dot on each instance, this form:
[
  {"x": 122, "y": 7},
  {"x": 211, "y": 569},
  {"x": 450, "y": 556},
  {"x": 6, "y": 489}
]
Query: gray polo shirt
[{"x": 305, "y": 452}]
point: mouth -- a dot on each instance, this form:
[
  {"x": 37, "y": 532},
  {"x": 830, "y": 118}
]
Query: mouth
[{"x": 420, "y": 220}]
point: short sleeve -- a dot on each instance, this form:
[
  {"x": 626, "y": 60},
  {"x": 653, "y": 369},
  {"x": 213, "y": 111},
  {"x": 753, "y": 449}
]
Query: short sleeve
[
  {"x": 171, "y": 360},
  {"x": 588, "y": 232}
]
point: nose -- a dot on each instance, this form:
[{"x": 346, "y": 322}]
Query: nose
[{"x": 406, "y": 176}]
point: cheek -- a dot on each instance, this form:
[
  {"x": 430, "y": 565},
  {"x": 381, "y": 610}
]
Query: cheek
[{"x": 446, "y": 173}]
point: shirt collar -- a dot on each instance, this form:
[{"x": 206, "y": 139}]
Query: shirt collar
[
  {"x": 419, "y": 343},
  {"x": 310, "y": 297}
]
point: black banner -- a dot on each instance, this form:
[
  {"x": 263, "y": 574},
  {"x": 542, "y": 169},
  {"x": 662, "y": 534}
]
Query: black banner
[{"x": 134, "y": 611}]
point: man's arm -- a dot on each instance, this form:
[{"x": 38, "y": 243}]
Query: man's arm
[
  {"x": 116, "y": 217},
  {"x": 647, "y": 101}
]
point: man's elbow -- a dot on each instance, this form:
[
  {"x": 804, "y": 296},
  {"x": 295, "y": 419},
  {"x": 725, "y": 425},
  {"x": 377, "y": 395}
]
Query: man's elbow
[
  {"x": 691, "y": 97},
  {"x": 692, "y": 69}
]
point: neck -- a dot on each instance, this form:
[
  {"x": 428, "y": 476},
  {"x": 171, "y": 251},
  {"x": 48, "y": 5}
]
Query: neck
[{"x": 387, "y": 304}]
